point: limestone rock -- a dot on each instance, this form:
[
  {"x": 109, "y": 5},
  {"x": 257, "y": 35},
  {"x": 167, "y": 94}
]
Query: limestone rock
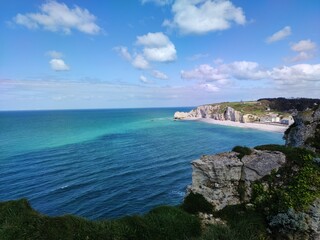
[
  {"x": 212, "y": 111},
  {"x": 248, "y": 118},
  {"x": 261, "y": 163},
  {"x": 233, "y": 115},
  {"x": 307, "y": 125},
  {"x": 209, "y": 219},
  {"x": 214, "y": 177},
  {"x": 180, "y": 115},
  {"x": 218, "y": 177}
]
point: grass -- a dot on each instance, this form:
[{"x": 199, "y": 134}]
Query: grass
[
  {"x": 243, "y": 224},
  {"x": 255, "y": 108},
  {"x": 19, "y": 221}
]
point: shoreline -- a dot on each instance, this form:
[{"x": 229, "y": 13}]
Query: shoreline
[{"x": 257, "y": 126}]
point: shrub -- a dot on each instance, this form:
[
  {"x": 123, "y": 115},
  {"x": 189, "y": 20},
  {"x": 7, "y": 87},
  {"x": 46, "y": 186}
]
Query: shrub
[
  {"x": 218, "y": 232},
  {"x": 243, "y": 224},
  {"x": 172, "y": 223},
  {"x": 298, "y": 186},
  {"x": 289, "y": 222},
  {"x": 195, "y": 202},
  {"x": 242, "y": 150}
]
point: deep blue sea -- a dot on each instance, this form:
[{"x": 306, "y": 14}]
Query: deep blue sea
[{"x": 107, "y": 163}]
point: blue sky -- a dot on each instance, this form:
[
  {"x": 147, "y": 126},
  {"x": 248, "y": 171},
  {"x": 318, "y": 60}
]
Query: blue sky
[{"x": 156, "y": 53}]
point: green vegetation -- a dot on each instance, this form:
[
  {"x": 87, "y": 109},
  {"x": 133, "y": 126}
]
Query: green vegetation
[
  {"x": 195, "y": 203},
  {"x": 242, "y": 150},
  {"x": 19, "y": 221},
  {"x": 290, "y": 222},
  {"x": 255, "y": 108},
  {"x": 243, "y": 224},
  {"x": 294, "y": 186},
  {"x": 283, "y": 104}
]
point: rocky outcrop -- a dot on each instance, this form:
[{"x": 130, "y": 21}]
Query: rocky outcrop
[
  {"x": 247, "y": 118},
  {"x": 233, "y": 115},
  {"x": 219, "y": 177},
  {"x": 225, "y": 179},
  {"x": 305, "y": 132},
  {"x": 260, "y": 163},
  {"x": 212, "y": 111},
  {"x": 180, "y": 115}
]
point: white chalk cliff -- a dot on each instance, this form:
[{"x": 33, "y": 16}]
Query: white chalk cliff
[{"x": 216, "y": 112}]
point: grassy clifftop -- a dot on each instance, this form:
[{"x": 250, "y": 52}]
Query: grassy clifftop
[{"x": 265, "y": 105}]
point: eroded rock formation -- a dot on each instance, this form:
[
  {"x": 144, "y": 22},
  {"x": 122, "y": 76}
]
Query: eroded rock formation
[
  {"x": 219, "y": 177},
  {"x": 212, "y": 111},
  {"x": 305, "y": 132}
]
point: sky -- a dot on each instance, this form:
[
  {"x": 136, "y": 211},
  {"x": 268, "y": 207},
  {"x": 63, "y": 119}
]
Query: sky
[{"x": 89, "y": 54}]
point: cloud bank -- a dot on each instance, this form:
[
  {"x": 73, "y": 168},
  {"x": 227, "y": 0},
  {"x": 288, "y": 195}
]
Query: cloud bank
[{"x": 245, "y": 70}]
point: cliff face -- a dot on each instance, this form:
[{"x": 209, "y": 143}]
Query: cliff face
[
  {"x": 212, "y": 111},
  {"x": 305, "y": 132},
  {"x": 224, "y": 179}
]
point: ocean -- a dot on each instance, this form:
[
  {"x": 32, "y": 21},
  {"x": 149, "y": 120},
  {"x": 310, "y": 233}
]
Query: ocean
[{"x": 107, "y": 163}]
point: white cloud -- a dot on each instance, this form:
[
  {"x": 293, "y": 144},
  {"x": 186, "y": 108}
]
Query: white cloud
[
  {"x": 123, "y": 52},
  {"x": 58, "y": 65},
  {"x": 55, "y": 16},
  {"x": 244, "y": 70},
  {"x": 144, "y": 79},
  {"x": 157, "y": 47},
  {"x": 304, "y": 45},
  {"x": 299, "y": 72},
  {"x": 157, "y": 39},
  {"x": 137, "y": 61},
  {"x": 158, "y": 2},
  {"x": 54, "y": 54},
  {"x": 161, "y": 54},
  {"x": 140, "y": 62},
  {"x": 204, "y": 72},
  {"x": 282, "y": 34},
  {"x": 203, "y": 16},
  {"x": 159, "y": 75},
  {"x": 306, "y": 50}
]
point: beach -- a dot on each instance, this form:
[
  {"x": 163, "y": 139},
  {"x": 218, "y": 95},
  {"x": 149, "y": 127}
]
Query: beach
[{"x": 258, "y": 126}]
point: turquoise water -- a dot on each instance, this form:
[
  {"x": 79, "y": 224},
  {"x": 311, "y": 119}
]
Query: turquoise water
[{"x": 107, "y": 163}]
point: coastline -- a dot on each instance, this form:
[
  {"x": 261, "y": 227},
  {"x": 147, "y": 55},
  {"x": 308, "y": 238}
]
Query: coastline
[{"x": 257, "y": 126}]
